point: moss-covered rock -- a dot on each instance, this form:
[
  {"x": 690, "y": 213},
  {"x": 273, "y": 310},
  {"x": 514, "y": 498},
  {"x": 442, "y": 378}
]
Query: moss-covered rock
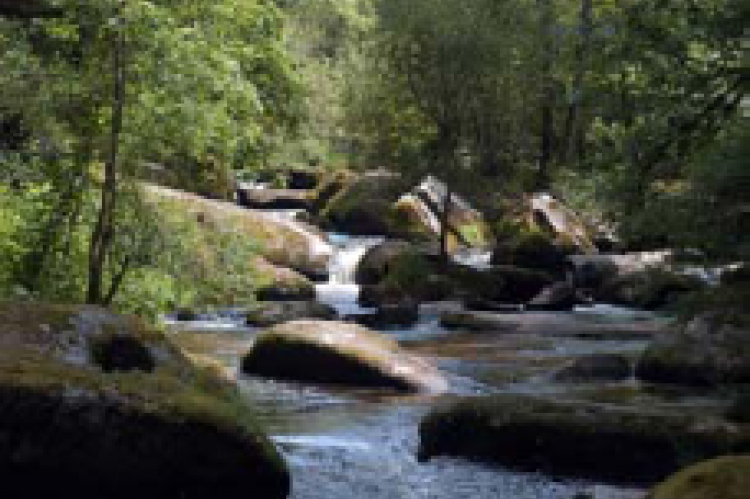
[
  {"x": 534, "y": 250},
  {"x": 282, "y": 284},
  {"x": 509, "y": 284},
  {"x": 282, "y": 243},
  {"x": 339, "y": 353},
  {"x": 706, "y": 351},
  {"x": 363, "y": 206},
  {"x": 271, "y": 313},
  {"x": 104, "y": 406},
  {"x": 377, "y": 262},
  {"x": 726, "y": 477},
  {"x": 578, "y": 439}
]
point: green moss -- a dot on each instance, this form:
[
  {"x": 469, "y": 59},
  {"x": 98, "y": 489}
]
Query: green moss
[{"x": 722, "y": 478}]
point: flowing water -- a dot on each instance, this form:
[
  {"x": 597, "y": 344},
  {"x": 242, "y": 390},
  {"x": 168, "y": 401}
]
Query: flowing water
[{"x": 344, "y": 443}]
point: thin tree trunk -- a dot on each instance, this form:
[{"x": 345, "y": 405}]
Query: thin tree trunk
[
  {"x": 102, "y": 236},
  {"x": 445, "y": 224},
  {"x": 547, "y": 128},
  {"x": 572, "y": 135}
]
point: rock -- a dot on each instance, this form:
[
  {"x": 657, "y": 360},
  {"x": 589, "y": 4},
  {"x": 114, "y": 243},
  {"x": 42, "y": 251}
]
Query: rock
[
  {"x": 558, "y": 297},
  {"x": 402, "y": 315},
  {"x": 508, "y": 284},
  {"x": 650, "y": 289},
  {"x": 339, "y": 353},
  {"x": 272, "y": 199},
  {"x": 282, "y": 284},
  {"x": 104, "y": 406},
  {"x": 597, "y": 367},
  {"x": 563, "y": 222},
  {"x": 705, "y": 352},
  {"x": 534, "y": 250},
  {"x": 328, "y": 187},
  {"x": 423, "y": 205},
  {"x": 186, "y": 314},
  {"x": 363, "y": 207},
  {"x": 599, "y": 441},
  {"x": 476, "y": 321},
  {"x": 282, "y": 242},
  {"x": 272, "y": 313},
  {"x": 378, "y": 261},
  {"x": 726, "y": 477}
]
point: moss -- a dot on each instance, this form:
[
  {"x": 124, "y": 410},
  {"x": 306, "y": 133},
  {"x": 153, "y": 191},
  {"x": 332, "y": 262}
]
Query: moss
[
  {"x": 576, "y": 438},
  {"x": 725, "y": 477}
]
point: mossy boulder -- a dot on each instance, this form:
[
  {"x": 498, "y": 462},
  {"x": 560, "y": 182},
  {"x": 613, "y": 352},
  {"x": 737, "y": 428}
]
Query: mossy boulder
[
  {"x": 726, "y": 477},
  {"x": 271, "y": 313},
  {"x": 600, "y": 441},
  {"x": 339, "y": 353},
  {"x": 707, "y": 351},
  {"x": 510, "y": 284},
  {"x": 377, "y": 262},
  {"x": 104, "y": 406},
  {"x": 283, "y": 243},
  {"x": 282, "y": 284},
  {"x": 363, "y": 207},
  {"x": 534, "y": 250}
]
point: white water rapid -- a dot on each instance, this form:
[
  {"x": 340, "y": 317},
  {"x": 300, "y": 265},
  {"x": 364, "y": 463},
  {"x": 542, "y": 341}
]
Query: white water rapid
[{"x": 341, "y": 291}]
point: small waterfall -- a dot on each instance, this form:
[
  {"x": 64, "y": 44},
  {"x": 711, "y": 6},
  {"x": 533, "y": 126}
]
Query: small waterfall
[{"x": 341, "y": 292}]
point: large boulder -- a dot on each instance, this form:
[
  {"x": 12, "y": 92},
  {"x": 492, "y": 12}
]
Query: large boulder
[
  {"x": 266, "y": 314},
  {"x": 378, "y": 261},
  {"x": 706, "y": 351},
  {"x": 281, "y": 284},
  {"x": 726, "y": 477},
  {"x": 339, "y": 353},
  {"x": 509, "y": 284},
  {"x": 103, "y": 406},
  {"x": 574, "y": 438},
  {"x": 569, "y": 228},
  {"x": 422, "y": 207},
  {"x": 281, "y": 241},
  {"x": 534, "y": 250},
  {"x": 364, "y": 206}
]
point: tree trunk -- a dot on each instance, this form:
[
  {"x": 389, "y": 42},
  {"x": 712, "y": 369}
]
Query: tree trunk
[
  {"x": 547, "y": 128},
  {"x": 571, "y": 144},
  {"x": 102, "y": 236},
  {"x": 445, "y": 224}
]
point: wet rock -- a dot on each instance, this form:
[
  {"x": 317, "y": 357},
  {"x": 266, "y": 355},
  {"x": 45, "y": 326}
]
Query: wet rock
[
  {"x": 402, "y": 315},
  {"x": 579, "y": 439},
  {"x": 378, "y": 261},
  {"x": 158, "y": 423},
  {"x": 558, "y": 297},
  {"x": 477, "y": 321},
  {"x": 272, "y": 313},
  {"x": 339, "y": 353},
  {"x": 726, "y": 477},
  {"x": 567, "y": 225},
  {"x": 272, "y": 199},
  {"x": 298, "y": 178},
  {"x": 282, "y": 284},
  {"x": 597, "y": 367},
  {"x": 707, "y": 351}
]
